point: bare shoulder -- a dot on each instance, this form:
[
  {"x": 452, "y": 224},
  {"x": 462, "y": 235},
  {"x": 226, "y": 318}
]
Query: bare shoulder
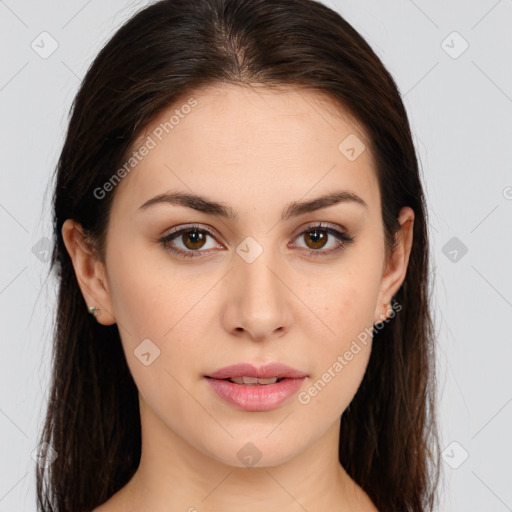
[
  {"x": 104, "y": 508},
  {"x": 107, "y": 507},
  {"x": 372, "y": 508},
  {"x": 111, "y": 505},
  {"x": 365, "y": 504},
  {"x": 369, "y": 506}
]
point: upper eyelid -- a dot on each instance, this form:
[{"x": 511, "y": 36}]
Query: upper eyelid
[
  {"x": 209, "y": 230},
  {"x": 213, "y": 232}
]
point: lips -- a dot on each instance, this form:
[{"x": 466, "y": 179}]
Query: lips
[{"x": 252, "y": 388}]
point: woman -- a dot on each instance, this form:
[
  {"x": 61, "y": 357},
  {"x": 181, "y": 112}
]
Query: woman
[{"x": 238, "y": 205}]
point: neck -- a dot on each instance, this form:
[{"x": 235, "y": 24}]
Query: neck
[{"x": 173, "y": 475}]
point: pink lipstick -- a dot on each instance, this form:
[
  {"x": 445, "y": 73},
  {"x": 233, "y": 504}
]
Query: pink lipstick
[{"x": 252, "y": 388}]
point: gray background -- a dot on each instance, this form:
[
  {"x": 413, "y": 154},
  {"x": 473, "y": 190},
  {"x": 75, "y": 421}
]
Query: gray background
[{"x": 460, "y": 108}]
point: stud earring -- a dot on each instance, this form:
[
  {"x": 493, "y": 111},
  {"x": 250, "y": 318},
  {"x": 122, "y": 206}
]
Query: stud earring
[{"x": 94, "y": 311}]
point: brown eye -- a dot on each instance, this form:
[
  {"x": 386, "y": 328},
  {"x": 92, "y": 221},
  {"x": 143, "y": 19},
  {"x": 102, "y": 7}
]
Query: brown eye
[
  {"x": 316, "y": 239},
  {"x": 189, "y": 242},
  {"x": 193, "y": 239}
]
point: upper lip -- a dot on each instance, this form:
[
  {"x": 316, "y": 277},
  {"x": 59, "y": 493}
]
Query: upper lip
[{"x": 262, "y": 372}]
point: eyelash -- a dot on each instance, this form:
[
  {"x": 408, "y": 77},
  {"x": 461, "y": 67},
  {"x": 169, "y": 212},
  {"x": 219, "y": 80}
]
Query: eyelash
[{"x": 341, "y": 236}]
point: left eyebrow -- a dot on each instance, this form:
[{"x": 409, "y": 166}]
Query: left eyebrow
[
  {"x": 293, "y": 209},
  {"x": 296, "y": 208}
]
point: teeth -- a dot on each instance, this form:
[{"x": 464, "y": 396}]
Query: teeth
[
  {"x": 250, "y": 380},
  {"x": 253, "y": 380},
  {"x": 267, "y": 381}
]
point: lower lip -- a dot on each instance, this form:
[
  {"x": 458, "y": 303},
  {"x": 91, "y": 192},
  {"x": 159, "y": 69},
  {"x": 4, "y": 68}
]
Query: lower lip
[{"x": 256, "y": 397}]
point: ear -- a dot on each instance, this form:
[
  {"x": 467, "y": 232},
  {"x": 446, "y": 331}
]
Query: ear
[
  {"x": 89, "y": 271},
  {"x": 396, "y": 267}
]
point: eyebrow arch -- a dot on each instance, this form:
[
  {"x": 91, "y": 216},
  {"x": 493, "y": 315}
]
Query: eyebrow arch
[{"x": 293, "y": 209}]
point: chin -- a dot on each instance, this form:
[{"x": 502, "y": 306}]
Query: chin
[{"x": 254, "y": 452}]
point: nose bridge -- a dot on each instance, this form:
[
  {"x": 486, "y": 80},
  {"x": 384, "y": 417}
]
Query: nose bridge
[
  {"x": 260, "y": 297},
  {"x": 257, "y": 265}
]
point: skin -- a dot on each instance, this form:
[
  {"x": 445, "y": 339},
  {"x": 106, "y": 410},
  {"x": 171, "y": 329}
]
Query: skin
[{"x": 217, "y": 309}]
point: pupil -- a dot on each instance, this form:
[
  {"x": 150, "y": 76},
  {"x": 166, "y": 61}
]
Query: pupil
[
  {"x": 194, "y": 238},
  {"x": 318, "y": 238}
]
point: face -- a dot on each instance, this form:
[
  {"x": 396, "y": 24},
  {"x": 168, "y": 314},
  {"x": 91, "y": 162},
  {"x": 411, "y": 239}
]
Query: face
[{"x": 267, "y": 275}]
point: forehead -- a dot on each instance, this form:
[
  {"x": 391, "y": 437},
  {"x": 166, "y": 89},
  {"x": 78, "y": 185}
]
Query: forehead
[
  {"x": 251, "y": 114},
  {"x": 237, "y": 143}
]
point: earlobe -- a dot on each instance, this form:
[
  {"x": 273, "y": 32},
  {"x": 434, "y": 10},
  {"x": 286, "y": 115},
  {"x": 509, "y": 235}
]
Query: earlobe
[
  {"x": 396, "y": 268},
  {"x": 90, "y": 273}
]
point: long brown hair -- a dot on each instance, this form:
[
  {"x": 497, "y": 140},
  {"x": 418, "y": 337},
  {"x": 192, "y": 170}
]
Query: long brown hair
[{"x": 388, "y": 436}]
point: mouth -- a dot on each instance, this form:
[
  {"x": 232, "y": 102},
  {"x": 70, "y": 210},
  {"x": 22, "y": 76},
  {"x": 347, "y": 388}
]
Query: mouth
[
  {"x": 252, "y": 381},
  {"x": 250, "y": 388},
  {"x": 252, "y": 374}
]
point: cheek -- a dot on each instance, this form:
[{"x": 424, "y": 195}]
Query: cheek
[
  {"x": 148, "y": 302},
  {"x": 340, "y": 364},
  {"x": 153, "y": 321},
  {"x": 169, "y": 312},
  {"x": 349, "y": 306},
  {"x": 330, "y": 392}
]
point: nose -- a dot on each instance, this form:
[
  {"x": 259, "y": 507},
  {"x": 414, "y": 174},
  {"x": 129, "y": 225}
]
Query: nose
[{"x": 258, "y": 304}]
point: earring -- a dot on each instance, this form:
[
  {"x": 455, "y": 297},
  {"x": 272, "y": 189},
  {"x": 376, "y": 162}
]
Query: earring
[{"x": 94, "y": 311}]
